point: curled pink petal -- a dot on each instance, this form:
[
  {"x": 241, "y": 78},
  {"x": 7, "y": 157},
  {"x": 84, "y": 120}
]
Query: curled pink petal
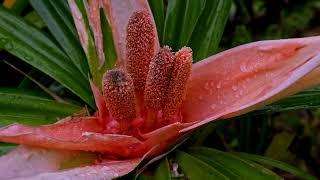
[
  {"x": 107, "y": 170},
  {"x": 74, "y": 134},
  {"x": 27, "y": 161},
  {"x": 95, "y": 23},
  {"x": 247, "y": 77}
]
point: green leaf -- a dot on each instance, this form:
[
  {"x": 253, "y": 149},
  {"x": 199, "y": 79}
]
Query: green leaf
[
  {"x": 192, "y": 12},
  {"x": 174, "y": 15},
  {"x": 108, "y": 43},
  {"x": 274, "y": 163},
  {"x": 241, "y": 167},
  {"x": 163, "y": 171},
  {"x": 278, "y": 149},
  {"x": 61, "y": 31},
  {"x": 157, "y": 8},
  {"x": 35, "y": 48},
  {"x": 34, "y": 19},
  {"x": 91, "y": 53},
  {"x": 304, "y": 100},
  {"x": 22, "y": 106},
  {"x": 194, "y": 168},
  {"x": 6, "y": 147},
  {"x": 209, "y": 29}
]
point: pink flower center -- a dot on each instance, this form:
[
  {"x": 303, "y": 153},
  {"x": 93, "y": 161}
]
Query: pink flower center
[{"x": 148, "y": 92}]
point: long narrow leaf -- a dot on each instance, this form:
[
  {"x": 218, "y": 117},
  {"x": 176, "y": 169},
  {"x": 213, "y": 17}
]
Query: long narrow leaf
[
  {"x": 208, "y": 31},
  {"x": 304, "y": 100},
  {"x": 242, "y": 168},
  {"x": 17, "y": 105},
  {"x": 157, "y": 8},
  {"x": 61, "y": 31},
  {"x": 35, "y": 48},
  {"x": 163, "y": 171},
  {"x": 274, "y": 163},
  {"x": 194, "y": 168}
]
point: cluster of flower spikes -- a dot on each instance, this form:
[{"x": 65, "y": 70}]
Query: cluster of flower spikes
[{"x": 147, "y": 92}]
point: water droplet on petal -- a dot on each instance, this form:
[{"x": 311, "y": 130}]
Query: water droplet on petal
[
  {"x": 219, "y": 85},
  {"x": 234, "y": 87},
  {"x": 213, "y": 106}
]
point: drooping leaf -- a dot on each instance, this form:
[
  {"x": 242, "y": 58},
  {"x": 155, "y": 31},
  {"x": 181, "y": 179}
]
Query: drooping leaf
[
  {"x": 208, "y": 31},
  {"x": 60, "y": 30},
  {"x": 35, "y": 48},
  {"x": 277, "y": 164}
]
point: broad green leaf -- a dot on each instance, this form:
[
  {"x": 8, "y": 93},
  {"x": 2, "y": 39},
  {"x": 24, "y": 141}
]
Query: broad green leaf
[
  {"x": 209, "y": 28},
  {"x": 241, "y": 167},
  {"x": 61, "y": 31},
  {"x": 193, "y": 168},
  {"x": 163, "y": 171},
  {"x": 35, "y": 48},
  {"x": 21, "y": 106},
  {"x": 274, "y": 163},
  {"x": 157, "y": 8}
]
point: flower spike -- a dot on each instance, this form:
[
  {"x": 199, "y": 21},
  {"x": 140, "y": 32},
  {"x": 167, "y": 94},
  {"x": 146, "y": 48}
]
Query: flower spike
[
  {"x": 140, "y": 47},
  {"x": 158, "y": 79},
  {"x": 178, "y": 84},
  {"x": 118, "y": 92}
]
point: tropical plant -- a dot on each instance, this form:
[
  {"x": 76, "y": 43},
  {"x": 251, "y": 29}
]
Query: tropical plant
[{"x": 149, "y": 100}]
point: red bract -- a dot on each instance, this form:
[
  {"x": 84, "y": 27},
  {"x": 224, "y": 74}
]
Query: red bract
[{"x": 155, "y": 96}]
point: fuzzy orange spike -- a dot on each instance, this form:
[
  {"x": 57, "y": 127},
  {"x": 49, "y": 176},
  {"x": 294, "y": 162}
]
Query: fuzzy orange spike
[
  {"x": 118, "y": 92},
  {"x": 158, "y": 79},
  {"x": 178, "y": 84},
  {"x": 140, "y": 47}
]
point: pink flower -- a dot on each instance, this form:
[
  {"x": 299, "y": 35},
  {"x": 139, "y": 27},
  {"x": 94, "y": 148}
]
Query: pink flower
[{"x": 153, "y": 97}]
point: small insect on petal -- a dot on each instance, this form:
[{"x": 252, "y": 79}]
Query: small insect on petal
[
  {"x": 178, "y": 84},
  {"x": 118, "y": 92},
  {"x": 140, "y": 47},
  {"x": 158, "y": 79}
]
